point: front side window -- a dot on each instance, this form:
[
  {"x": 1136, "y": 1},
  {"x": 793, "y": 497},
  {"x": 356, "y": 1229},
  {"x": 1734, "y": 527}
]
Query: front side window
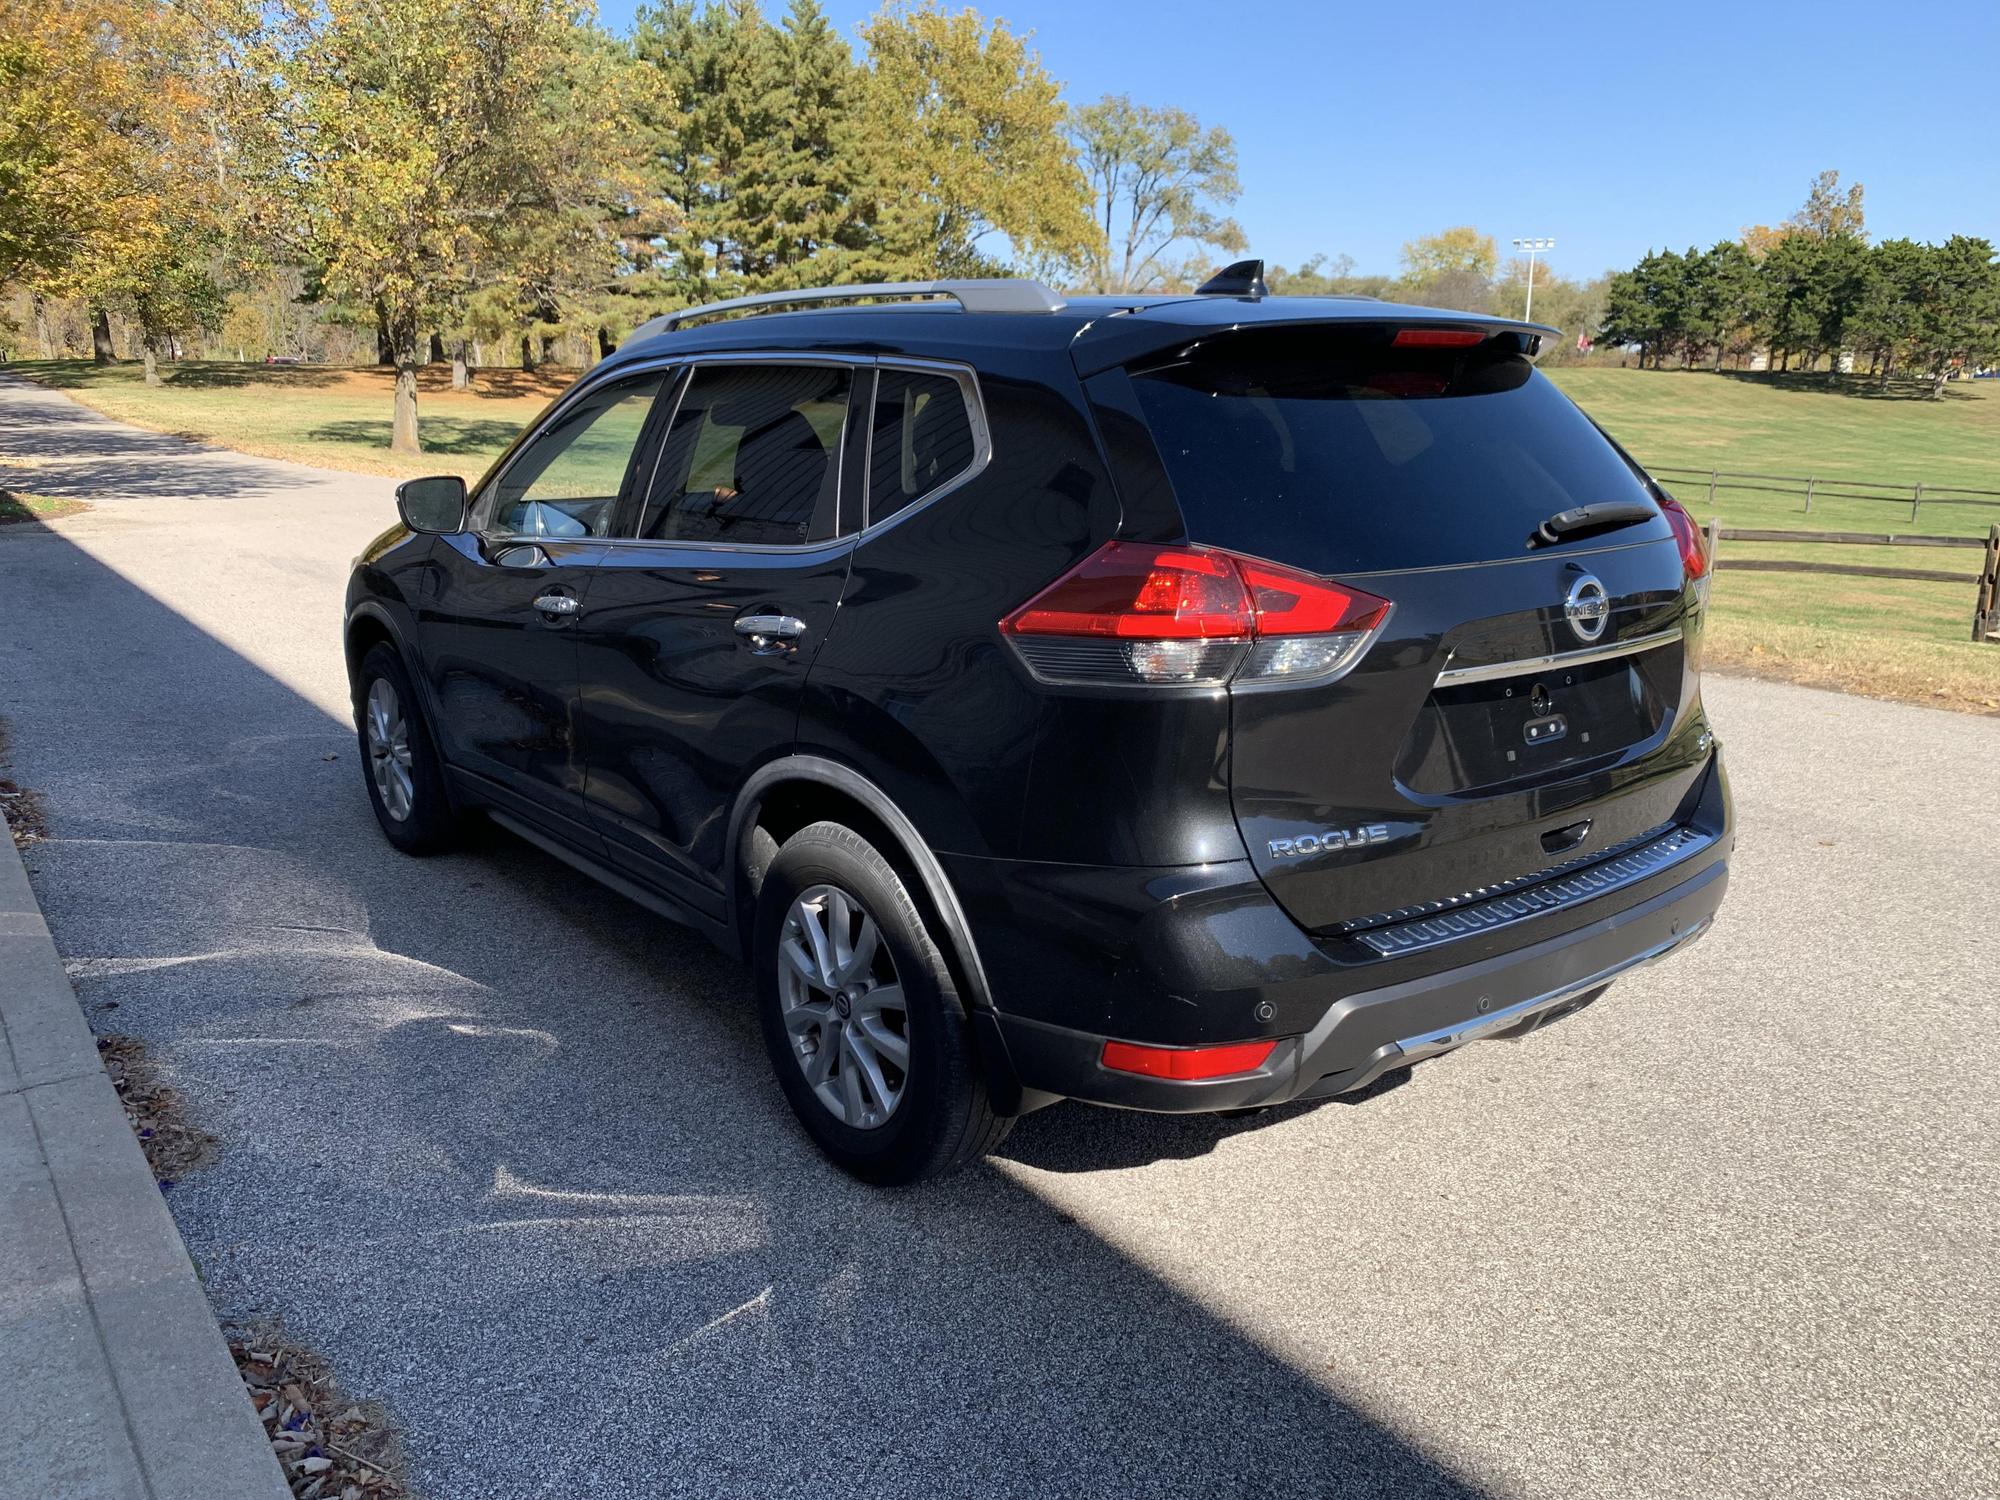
[
  {"x": 570, "y": 478},
  {"x": 753, "y": 457},
  {"x": 922, "y": 438}
]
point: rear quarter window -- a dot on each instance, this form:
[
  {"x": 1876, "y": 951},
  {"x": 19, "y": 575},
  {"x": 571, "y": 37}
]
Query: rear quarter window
[{"x": 1331, "y": 450}]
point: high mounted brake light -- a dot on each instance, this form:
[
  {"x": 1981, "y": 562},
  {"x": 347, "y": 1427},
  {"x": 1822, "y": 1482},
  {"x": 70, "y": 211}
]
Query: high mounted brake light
[
  {"x": 1194, "y": 616},
  {"x": 1438, "y": 338}
]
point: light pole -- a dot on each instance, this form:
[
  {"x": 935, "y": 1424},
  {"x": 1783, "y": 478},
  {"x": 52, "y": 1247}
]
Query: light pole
[{"x": 1531, "y": 246}]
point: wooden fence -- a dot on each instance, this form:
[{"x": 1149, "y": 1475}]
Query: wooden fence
[
  {"x": 1811, "y": 486},
  {"x": 1986, "y": 603}
]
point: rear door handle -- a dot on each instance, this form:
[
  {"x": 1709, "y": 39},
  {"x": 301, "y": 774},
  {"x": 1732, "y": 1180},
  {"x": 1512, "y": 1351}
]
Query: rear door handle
[
  {"x": 557, "y": 604},
  {"x": 769, "y": 634}
]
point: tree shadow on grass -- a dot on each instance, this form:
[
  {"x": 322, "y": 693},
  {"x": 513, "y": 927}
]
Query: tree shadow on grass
[
  {"x": 453, "y": 437},
  {"x": 82, "y": 374},
  {"x": 1857, "y": 387},
  {"x": 206, "y": 375}
]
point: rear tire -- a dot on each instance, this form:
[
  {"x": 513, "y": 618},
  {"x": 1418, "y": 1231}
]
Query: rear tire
[
  {"x": 861, "y": 1017},
  {"x": 399, "y": 760}
]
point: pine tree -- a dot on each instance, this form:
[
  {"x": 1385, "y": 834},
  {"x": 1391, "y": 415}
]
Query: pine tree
[{"x": 814, "y": 190}]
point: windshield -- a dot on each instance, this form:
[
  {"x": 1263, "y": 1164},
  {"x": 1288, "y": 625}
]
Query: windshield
[{"x": 1330, "y": 449}]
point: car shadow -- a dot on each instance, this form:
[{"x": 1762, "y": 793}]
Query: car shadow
[
  {"x": 1073, "y": 1137},
  {"x": 505, "y": 1146}
]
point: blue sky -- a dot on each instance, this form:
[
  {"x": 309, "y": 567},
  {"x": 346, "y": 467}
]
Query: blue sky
[{"x": 1612, "y": 127}]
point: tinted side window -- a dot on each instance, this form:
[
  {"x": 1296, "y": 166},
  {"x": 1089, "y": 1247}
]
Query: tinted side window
[
  {"x": 568, "y": 481},
  {"x": 922, "y": 439},
  {"x": 753, "y": 456}
]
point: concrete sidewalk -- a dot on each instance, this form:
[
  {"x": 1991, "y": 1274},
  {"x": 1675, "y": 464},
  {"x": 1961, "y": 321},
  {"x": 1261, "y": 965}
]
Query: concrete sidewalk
[{"x": 114, "y": 1380}]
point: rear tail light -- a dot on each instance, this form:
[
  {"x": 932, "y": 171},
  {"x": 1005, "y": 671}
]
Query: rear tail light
[
  {"x": 1183, "y": 1063},
  {"x": 1687, "y": 536},
  {"x": 1195, "y": 616}
]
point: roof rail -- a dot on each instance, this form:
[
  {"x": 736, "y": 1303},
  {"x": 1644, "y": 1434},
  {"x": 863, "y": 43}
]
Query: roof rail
[{"x": 998, "y": 294}]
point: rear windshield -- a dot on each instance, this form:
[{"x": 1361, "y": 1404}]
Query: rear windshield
[{"x": 1332, "y": 450}]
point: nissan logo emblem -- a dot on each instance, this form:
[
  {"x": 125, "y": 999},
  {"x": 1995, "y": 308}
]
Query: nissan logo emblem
[{"x": 1588, "y": 608}]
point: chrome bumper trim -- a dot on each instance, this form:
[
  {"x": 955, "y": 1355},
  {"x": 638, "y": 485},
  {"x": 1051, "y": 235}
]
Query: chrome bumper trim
[
  {"x": 1493, "y": 670},
  {"x": 1490, "y": 1027},
  {"x": 1592, "y": 880}
]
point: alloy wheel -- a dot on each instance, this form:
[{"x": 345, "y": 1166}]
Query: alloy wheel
[
  {"x": 389, "y": 749},
  {"x": 845, "y": 1017}
]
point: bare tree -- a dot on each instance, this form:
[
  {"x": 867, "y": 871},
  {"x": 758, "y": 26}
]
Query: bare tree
[{"x": 1160, "y": 181}]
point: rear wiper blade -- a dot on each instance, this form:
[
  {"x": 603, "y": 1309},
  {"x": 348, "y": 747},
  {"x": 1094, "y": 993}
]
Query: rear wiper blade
[{"x": 1565, "y": 524}]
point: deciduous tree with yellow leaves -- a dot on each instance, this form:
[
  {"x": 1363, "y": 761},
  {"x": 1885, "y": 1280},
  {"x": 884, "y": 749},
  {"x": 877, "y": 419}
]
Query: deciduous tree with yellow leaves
[
  {"x": 431, "y": 151},
  {"x": 116, "y": 167}
]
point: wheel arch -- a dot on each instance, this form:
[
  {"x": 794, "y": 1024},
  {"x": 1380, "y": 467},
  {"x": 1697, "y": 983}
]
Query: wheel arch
[
  {"x": 368, "y": 625},
  {"x": 786, "y": 794}
]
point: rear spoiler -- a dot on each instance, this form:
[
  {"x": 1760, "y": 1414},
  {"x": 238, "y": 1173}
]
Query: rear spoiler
[{"x": 1125, "y": 337}]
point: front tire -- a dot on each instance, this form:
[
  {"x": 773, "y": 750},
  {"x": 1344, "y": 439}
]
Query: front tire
[
  {"x": 399, "y": 760},
  {"x": 861, "y": 1017}
]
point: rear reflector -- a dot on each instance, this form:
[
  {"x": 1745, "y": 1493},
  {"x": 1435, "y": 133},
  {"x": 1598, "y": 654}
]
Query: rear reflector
[
  {"x": 1438, "y": 338},
  {"x": 1134, "y": 613},
  {"x": 1187, "y": 1062}
]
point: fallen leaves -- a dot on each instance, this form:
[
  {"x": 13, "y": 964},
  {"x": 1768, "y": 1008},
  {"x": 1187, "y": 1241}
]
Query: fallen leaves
[
  {"x": 329, "y": 1447},
  {"x": 158, "y": 1115},
  {"x": 25, "y": 818}
]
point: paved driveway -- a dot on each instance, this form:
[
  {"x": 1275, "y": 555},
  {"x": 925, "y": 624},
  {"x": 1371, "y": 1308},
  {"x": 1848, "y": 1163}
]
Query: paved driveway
[{"x": 505, "y": 1146}]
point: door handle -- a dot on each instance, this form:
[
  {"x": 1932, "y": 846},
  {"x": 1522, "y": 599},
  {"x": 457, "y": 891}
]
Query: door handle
[
  {"x": 557, "y": 604},
  {"x": 769, "y": 634}
]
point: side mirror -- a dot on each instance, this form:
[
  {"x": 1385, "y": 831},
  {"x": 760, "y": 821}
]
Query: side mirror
[{"x": 434, "y": 505}]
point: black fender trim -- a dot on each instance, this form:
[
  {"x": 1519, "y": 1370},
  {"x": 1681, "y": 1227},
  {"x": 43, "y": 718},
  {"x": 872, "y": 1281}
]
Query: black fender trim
[
  {"x": 371, "y": 609},
  {"x": 1003, "y": 1085}
]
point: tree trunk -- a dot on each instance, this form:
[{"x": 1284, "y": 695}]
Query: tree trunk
[
  {"x": 44, "y": 338},
  {"x": 403, "y": 426},
  {"x": 478, "y": 355},
  {"x": 461, "y": 378},
  {"x": 101, "y": 351},
  {"x": 437, "y": 349},
  {"x": 527, "y": 353},
  {"x": 151, "y": 354}
]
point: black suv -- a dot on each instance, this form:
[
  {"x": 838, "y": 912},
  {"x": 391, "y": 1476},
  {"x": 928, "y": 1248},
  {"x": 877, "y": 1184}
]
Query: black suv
[{"x": 1177, "y": 702}]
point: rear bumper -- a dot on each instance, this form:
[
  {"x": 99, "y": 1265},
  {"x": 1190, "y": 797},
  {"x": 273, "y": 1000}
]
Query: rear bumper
[
  {"x": 1197, "y": 959},
  {"x": 1365, "y": 1035}
]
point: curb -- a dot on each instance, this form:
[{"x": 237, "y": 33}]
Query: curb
[{"x": 115, "y": 1377}]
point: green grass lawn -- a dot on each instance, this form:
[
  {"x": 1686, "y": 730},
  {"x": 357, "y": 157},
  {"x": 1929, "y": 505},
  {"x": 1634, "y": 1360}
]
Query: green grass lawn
[
  {"x": 1890, "y": 637},
  {"x": 1798, "y": 425}
]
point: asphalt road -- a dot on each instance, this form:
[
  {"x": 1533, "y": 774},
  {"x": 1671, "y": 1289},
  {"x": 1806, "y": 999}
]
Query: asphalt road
[{"x": 505, "y": 1146}]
